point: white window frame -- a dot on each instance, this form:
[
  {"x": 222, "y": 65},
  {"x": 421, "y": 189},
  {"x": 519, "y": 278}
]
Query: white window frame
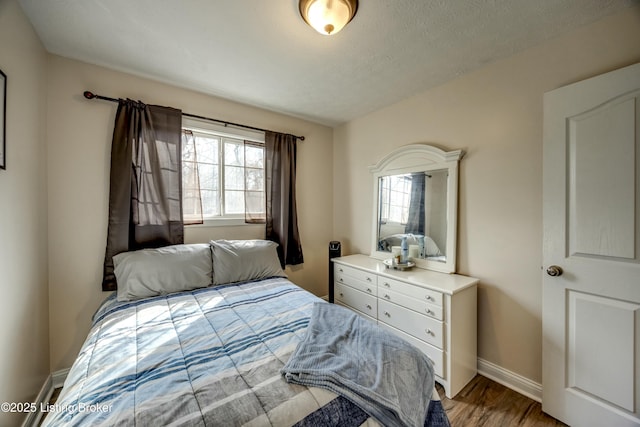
[{"x": 222, "y": 132}]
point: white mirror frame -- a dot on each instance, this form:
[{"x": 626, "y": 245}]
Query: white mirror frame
[{"x": 418, "y": 158}]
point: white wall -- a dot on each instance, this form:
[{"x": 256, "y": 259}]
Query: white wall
[
  {"x": 24, "y": 309},
  {"x": 79, "y": 140},
  {"x": 495, "y": 116}
]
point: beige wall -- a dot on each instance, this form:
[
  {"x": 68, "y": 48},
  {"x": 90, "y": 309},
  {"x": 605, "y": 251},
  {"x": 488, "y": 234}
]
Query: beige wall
[
  {"x": 24, "y": 309},
  {"x": 79, "y": 140},
  {"x": 495, "y": 116}
]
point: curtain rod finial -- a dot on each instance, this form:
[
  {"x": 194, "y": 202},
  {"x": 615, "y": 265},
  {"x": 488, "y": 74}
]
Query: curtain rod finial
[{"x": 89, "y": 95}]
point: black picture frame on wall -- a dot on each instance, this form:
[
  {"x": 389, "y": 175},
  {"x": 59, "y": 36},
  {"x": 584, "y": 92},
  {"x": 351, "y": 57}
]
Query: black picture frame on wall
[{"x": 3, "y": 120}]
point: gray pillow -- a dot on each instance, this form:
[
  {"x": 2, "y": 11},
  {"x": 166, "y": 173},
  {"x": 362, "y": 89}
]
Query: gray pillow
[
  {"x": 244, "y": 260},
  {"x": 150, "y": 272}
]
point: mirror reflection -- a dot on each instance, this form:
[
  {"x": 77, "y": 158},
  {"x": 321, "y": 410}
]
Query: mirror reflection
[{"x": 414, "y": 205}]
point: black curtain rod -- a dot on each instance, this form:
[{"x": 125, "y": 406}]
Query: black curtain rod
[{"x": 90, "y": 95}]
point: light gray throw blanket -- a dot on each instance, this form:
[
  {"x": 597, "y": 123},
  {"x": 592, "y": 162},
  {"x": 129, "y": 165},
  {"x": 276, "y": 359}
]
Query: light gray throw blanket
[{"x": 384, "y": 375}]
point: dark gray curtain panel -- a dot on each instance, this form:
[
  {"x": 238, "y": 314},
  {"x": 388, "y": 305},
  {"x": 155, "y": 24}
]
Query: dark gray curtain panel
[
  {"x": 145, "y": 208},
  {"x": 415, "y": 223},
  {"x": 281, "y": 215}
]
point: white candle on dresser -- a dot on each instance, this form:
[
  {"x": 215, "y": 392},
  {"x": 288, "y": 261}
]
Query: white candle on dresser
[
  {"x": 395, "y": 250},
  {"x": 414, "y": 251}
]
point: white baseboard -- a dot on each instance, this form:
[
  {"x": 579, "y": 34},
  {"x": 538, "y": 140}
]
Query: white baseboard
[
  {"x": 509, "y": 379},
  {"x": 53, "y": 381},
  {"x": 33, "y": 418},
  {"x": 58, "y": 377}
]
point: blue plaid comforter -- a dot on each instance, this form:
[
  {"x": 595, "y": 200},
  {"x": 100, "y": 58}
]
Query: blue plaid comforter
[{"x": 209, "y": 357}]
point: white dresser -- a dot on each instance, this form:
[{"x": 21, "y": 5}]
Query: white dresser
[{"x": 434, "y": 311}]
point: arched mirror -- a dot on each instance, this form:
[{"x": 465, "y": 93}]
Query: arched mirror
[{"x": 415, "y": 193}]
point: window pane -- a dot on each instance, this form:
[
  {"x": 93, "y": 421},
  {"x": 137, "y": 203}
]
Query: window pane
[
  {"x": 233, "y": 153},
  {"x": 207, "y": 149},
  {"x": 210, "y": 203},
  {"x": 208, "y": 176},
  {"x": 233, "y": 178},
  {"x": 234, "y": 202}
]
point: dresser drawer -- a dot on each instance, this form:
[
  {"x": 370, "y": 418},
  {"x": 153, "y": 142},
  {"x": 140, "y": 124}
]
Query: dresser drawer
[
  {"x": 358, "y": 300},
  {"x": 416, "y": 304},
  {"x": 365, "y": 316},
  {"x": 433, "y": 353},
  {"x": 361, "y": 280},
  {"x": 420, "y": 326},
  {"x": 428, "y": 295}
]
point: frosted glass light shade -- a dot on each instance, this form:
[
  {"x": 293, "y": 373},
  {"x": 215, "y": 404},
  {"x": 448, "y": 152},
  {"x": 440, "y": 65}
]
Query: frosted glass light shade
[{"x": 328, "y": 16}]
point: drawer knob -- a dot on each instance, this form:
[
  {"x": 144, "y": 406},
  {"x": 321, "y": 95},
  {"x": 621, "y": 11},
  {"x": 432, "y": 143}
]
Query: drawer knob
[
  {"x": 386, "y": 313},
  {"x": 369, "y": 290},
  {"x": 387, "y": 285},
  {"x": 429, "y": 298},
  {"x": 369, "y": 306},
  {"x": 340, "y": 270},
  {"x": 428, "y": 311},
  {"x": 368, "y": 279},
  {"x": 429, "y": 331},
  {"x": 387, "y": 296},
  {"x": 341, "y": 294},
  {"x": 341, "y": 279}
]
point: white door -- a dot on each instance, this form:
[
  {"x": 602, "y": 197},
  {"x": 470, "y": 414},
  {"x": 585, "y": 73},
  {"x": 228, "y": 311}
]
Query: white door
[{"x": 591, "y": 277}]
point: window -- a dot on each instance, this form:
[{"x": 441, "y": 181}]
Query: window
[
  {"x": 395, "y": 197},
  {"x": 228, "y": 166}
]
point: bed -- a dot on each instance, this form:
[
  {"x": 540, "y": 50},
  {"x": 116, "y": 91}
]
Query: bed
[{"x": 209, "y": 356}]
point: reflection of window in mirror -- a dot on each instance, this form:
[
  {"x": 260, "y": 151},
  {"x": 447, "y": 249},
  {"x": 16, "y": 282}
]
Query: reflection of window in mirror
[
  {"x": 395, "y": 197},
  {"x": 414, "y": 205}
]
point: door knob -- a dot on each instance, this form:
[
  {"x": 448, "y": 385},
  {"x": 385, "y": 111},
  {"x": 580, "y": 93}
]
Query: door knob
[{"x": 554, "y": 271}]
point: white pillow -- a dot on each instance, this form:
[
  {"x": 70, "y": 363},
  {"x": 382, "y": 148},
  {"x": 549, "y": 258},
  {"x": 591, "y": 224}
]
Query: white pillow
[
  {"x": 244, "y": 260},
  {"x": 150, "y": 272},
  {"x": 430, "y": 247}
]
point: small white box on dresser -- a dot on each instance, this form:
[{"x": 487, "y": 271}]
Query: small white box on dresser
[{"x": 436, "y": 312}]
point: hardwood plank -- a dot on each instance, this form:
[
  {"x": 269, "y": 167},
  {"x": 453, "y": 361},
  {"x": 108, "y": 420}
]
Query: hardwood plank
[
  {"x": 52, "y": 401},
  {"x": 486, "y": 403}
]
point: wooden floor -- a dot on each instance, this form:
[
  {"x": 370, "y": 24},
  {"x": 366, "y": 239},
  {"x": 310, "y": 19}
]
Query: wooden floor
[{"x": 486, "y": 403}]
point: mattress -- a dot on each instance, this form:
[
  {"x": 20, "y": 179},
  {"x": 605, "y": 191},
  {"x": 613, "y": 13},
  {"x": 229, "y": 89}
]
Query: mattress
[{"x": 208, "y": 357}]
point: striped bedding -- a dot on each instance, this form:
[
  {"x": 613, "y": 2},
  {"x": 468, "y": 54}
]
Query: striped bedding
[{"x": 209, "y": 357}]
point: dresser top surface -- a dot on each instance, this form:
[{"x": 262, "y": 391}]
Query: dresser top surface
[{"x": 447, "y": 283}]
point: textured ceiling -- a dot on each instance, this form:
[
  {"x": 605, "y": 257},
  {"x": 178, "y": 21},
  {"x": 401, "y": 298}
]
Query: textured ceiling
[{"x": 260, "y": 52}]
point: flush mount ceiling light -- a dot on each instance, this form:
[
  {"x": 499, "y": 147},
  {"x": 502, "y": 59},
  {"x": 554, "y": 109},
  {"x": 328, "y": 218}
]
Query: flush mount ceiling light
[{"x": 328, "y": 16}]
